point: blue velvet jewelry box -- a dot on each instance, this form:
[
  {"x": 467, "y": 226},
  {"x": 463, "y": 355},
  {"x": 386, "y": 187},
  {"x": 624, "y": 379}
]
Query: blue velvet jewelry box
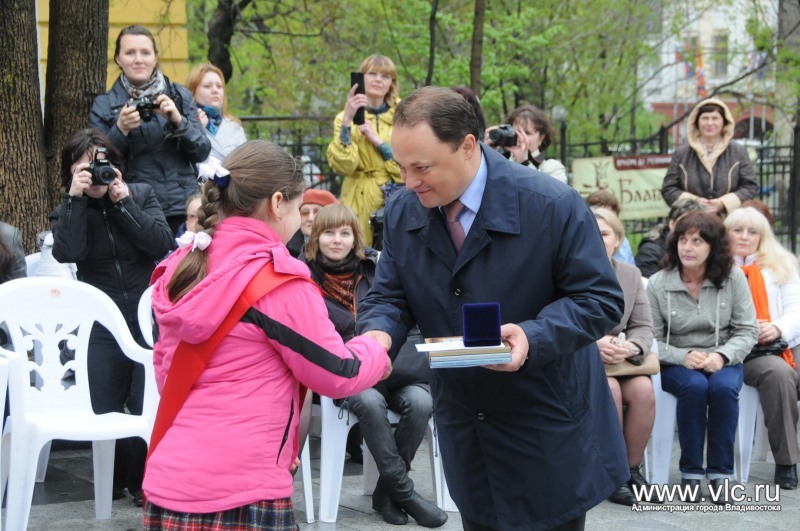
[{"x": 481, "y": 324}]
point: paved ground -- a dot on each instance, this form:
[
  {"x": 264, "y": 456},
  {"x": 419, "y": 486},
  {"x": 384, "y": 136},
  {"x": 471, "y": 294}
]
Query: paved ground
[{"x": 65, "y": 502}]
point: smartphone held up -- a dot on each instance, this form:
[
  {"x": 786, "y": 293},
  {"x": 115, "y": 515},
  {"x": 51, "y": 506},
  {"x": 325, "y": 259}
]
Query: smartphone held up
[{"x": 357, "y": 78}]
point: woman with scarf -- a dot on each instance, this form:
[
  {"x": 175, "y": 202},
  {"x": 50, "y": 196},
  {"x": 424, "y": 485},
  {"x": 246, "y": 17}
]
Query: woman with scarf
[
  {"x": 772, "y": 273},
  {"x": 153, "y": 123},
  {"x": 344, "y": 268},
  {"x": 223, "y": 130},
  {"x": 361, "y": 153}
]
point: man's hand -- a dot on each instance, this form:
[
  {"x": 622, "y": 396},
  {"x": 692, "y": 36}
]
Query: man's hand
[
  {"x": 381, "y": 337},
  {"x": 516, "y": 338},
  {"x": 386, "y": 342}
]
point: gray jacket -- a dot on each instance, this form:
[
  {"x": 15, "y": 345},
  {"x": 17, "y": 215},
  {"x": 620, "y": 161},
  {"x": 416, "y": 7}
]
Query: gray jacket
[
  {"x": 721, "y": 321},
  {"x": 10, "y": 235},
  {"x": 157, "y": 153}
]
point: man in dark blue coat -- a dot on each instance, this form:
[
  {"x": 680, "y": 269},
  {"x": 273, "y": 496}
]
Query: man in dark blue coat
[{"x": 535, "y": 443}]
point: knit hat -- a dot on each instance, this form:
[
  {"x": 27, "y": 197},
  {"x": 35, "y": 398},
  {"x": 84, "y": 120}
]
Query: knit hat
[{"x": 319, "y": 197}]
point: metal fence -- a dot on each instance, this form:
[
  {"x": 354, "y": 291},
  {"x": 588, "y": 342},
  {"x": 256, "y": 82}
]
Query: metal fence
[{"x": 308, "y": 137}]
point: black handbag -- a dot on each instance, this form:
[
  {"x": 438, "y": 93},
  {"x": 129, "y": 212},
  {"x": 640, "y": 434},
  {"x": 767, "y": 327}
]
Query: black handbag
[{"x": 774, "y": 348}]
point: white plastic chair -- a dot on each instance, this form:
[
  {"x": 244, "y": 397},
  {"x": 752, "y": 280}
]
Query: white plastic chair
[
  {"x": 43, "y": 311},
  {"x": 761, "y": 446},
  {"x": 31, "y": 261},
  {"x": 145, "y": 315},
  {"x": 336, "y": 423},
  {"x": 664, "y": 432}
]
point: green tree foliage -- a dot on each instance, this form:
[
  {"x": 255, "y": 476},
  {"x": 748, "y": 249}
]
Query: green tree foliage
[{"x": 293, "y": 56}]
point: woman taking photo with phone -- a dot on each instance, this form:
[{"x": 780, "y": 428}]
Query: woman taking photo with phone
[
  {"x": 153, "y": 123},
  {"x": 361, "y": 152}
]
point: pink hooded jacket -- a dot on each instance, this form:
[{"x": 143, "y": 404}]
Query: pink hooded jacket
[{"x": 232, "y": 443}]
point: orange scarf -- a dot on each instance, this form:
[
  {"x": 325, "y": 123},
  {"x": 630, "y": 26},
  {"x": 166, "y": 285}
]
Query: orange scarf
[{"x": 759, "y": 292}]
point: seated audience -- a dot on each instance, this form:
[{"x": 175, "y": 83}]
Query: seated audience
[
  {"x": 344, "y": 269},
  {"x": 313, "y": 200},
  {"x": 607, "y": 199},
  {"x": 772, "y": 273},
  {"x": 633, "y": 395},
  {"x": 654, "y": 245},
  {"x": 705, "y": 325}
]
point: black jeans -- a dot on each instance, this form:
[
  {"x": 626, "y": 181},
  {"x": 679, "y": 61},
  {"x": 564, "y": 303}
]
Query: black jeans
[
  {"x": 393, "y": 452},
  {"x": 116, "y": 382}
]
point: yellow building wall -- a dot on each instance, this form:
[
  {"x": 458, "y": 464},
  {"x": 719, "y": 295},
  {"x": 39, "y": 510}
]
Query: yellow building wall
[{"x": 165, "y": 19}]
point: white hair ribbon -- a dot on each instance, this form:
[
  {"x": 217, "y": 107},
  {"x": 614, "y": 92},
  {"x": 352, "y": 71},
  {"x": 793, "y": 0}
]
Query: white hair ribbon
[
  {"x": 198, "y": 240},
  {"x": 213, "y": 170}
]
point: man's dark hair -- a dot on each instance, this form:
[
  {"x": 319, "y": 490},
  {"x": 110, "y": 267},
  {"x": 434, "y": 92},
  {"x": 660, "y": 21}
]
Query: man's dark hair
[
  {"x": 447, "y": 113},
  {"x": 712, "y": 230}
]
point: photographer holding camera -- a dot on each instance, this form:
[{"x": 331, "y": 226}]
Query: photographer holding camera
[
  {"x": 153, "y": 123},
  {"x": 522, "y": 138},
  {"x": 114, "y": 232}
]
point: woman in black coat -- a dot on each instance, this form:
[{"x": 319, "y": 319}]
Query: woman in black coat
[
  {"x": 153, "y": 123},
  {"x": 115, "y": 232}
]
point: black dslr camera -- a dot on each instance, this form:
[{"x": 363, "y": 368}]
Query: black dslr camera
[
  {"x": 101, "y": 168},
  {"x": 503, "y": 136},
  {"x": 144, "y": 106}
]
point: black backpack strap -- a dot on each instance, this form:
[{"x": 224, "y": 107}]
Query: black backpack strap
[{"x": 175, "y": 95}]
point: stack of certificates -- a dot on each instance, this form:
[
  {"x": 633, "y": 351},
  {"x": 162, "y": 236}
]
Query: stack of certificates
[{"x": 450, "y": 352}]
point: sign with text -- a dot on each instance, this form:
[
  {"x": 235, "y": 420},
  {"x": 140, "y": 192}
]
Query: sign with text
[{"x": 635, "y": 180}]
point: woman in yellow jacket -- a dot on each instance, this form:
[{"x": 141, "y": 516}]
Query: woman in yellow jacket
[{"x": 361, "y": 153}]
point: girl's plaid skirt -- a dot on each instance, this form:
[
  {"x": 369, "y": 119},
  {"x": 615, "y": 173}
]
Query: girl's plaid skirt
[{"x": 271, "y": 515}]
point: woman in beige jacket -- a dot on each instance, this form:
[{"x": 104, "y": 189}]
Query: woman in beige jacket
[
  {"x": 633, "y": 336},
  {"x": 710, "y": 167}
]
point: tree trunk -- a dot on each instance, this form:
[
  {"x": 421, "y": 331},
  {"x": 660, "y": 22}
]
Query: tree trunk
[
  {"x": 23, "y": 180},
  {"x": 76, "y": 73},
  {"x": 220, "y": 33},
  {"x": 432, "y": 42},
  {"x": 476, "y": 55}
]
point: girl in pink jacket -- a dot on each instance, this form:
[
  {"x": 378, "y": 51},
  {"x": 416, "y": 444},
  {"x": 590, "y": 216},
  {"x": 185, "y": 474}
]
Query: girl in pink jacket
[{"x": 225, "y": 460}]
